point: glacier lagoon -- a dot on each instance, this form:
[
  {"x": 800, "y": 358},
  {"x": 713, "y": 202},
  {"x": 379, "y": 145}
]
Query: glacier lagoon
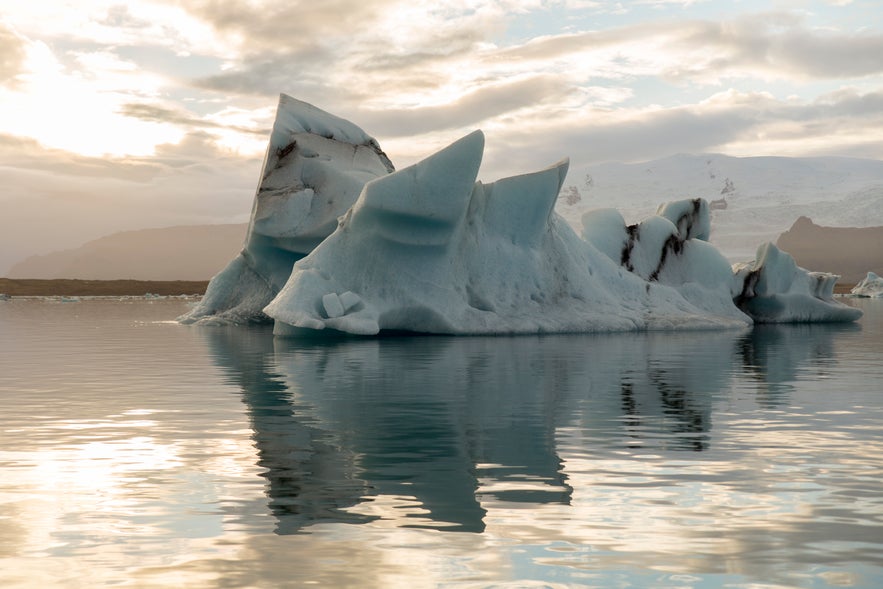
[{"x": 139, "y": 452}]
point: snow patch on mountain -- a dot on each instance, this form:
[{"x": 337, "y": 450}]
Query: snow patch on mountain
[{"x": 752, "y": 199}]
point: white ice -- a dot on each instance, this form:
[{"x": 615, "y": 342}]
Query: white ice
[
  {"x": 776, "y": 290},
  {"x": 870, "y": 286},
  {"x": 430, "y": 249}
]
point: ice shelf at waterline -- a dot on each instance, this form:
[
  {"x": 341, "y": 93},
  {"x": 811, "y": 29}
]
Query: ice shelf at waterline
[{"x": 339, "y": 240}]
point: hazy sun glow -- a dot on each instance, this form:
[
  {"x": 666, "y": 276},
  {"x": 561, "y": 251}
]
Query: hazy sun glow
[{"x": 78, "y": 110}]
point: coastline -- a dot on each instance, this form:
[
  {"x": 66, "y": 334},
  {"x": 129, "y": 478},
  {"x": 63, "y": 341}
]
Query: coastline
[
  {"x": 24, "y": 287},
  {"x": 70, "y": 287}
]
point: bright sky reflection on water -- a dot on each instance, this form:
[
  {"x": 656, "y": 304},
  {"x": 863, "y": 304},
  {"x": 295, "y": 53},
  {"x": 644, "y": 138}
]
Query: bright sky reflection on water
[{"x": 138, "y": 452}]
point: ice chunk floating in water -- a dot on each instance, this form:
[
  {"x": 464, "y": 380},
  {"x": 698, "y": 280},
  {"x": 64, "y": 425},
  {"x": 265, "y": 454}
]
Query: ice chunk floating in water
[
  {"x": 776, "y": 290},
  {"x": 430, "y": 249},
  {"x": 870, "y": 286}
]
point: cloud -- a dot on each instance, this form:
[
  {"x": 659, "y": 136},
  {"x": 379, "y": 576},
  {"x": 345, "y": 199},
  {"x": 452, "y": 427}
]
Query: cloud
[
  {"x": 830, "y": 56},
  {"x": 12, "y": 56},
  {"x": 850, "y": 102},
  {"x": 94, "y": 23},
  {"x": 286, "y": 26},
  {"x": 447, "y": 71},
  {"x": 268, "y": 75},
  {"x": 557, "y": 46},
  {"x": 588, "y": 138},
  {"x": 174, "y": 116},
  {"x": 732, "y": 122},
  {"x": 484, "y": 103},
  {"x": 348, "y": 49},
  {"x": 770, "y": 44},
  {"x": 777, "y": 44}
]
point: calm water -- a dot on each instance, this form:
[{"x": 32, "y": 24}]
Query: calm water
[{"x": 138, "y": 452}]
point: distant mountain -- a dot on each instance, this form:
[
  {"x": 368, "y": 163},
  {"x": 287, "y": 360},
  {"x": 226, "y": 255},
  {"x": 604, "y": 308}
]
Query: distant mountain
[
  {"x": 173, "y": 253},
  {"x": 758, "y": 198},
  {"x": 848, "y": 251}
]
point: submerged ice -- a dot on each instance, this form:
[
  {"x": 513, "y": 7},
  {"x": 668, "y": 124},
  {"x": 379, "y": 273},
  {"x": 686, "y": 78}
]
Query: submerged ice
[{"x": 340, "y": 240}]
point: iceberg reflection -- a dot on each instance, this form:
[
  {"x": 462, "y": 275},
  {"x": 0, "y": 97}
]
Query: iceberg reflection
[
  {"x": 434, "y": 431},
  {"x": 774, "y": 355}
]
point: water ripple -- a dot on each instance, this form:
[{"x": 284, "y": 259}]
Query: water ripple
[{"x": 136, "y": 451}]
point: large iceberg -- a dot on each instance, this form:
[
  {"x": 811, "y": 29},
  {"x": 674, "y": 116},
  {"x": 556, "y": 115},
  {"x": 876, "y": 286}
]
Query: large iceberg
[{"x": 430, "y": 249}]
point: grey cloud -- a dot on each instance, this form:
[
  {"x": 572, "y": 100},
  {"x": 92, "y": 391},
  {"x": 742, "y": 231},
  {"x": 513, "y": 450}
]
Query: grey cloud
[
  {"x": 779, "y": 44},
  {"x": 316, "y": 77},
  {"x": 152, "y": 112},
  {"x": 283, "y": 26},
  {"x": 551, "y": 47},
  {"x": 851, "y": 102},
  {"x": 774, "y": 42},
  {"x": 286, "y": 46},
  {"x": 267, "y": 75},
  {"x": 308, "y": 48},
  {"x": 841, "y": 120},
  {"x": 471, "y": 109},
  {"x": 831, "y": 56},
  {"x": 440, "y": 45},
  {"x": 655, "y": 134},
  {"x": 292, "y": 46}
]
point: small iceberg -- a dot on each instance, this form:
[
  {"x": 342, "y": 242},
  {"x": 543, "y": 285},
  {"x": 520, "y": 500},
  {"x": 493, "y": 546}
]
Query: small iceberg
[{"x": 870, "y": 286}]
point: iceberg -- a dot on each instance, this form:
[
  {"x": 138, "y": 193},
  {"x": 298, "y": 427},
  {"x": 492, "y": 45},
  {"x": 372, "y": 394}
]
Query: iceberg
[
  {"x": 341, "y": 241},
  {"x": 776, "y": 290},
  {"x": 870, "y": 286}
]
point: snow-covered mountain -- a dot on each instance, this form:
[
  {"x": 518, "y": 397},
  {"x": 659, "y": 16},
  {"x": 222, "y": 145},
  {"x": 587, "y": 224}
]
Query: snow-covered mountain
[{"x": 754, "y": 199}]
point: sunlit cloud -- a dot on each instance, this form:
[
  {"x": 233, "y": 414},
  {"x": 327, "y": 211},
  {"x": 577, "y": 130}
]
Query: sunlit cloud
[
  {"x": 104, "y": 23},
  {"x": 12, "y": 56},
  {"x": 76, "y": 109}
]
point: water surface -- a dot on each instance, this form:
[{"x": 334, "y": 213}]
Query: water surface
[{"x": 138, "y": 452}]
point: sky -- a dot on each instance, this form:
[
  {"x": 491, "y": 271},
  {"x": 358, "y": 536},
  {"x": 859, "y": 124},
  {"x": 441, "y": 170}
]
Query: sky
[{"x": 153, "y": 113}]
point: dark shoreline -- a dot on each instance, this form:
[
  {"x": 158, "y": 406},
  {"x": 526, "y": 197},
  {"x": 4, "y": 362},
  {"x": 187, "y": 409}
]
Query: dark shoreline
[
  {"x": 32, "y": 287},
  {"x": 24, "y": 287}
]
